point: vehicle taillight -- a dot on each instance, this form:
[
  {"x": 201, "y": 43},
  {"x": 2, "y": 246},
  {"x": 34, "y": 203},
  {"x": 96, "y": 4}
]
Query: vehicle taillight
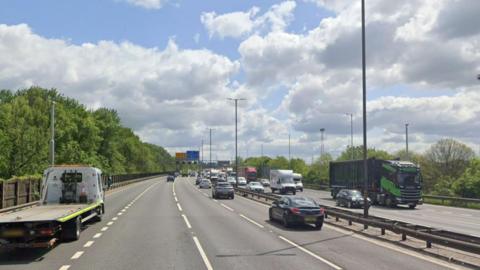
[
  {"x": 322, "y": 211},
  {"x": 295, "y": 210},
  {"x": 46, "y": 231}
]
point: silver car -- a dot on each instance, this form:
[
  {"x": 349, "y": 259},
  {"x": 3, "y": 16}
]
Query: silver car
[
  {"x": 255, "y": 187},
  {"x": 242, "y": 182},
  {"x": 205, "y": 183}
]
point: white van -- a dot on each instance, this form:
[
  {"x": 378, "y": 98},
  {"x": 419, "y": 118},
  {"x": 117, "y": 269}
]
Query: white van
[
  {"x": 282, "y": 180},
  {"x": 297, "y": 178}
]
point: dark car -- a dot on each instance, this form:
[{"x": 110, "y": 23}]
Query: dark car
[
  {"x": 197, "y": 181},
  {"x": 350, "y": 198},
  {"x": 292, "y": 210},
  {"x": 170, "y": 178},
  {"x": 222, "y": 190}
]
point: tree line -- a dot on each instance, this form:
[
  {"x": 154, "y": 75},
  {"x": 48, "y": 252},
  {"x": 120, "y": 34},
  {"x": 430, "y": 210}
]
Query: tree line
[
  {"x": 94, "y": 137},
  {"x": 448, "y": 167}
]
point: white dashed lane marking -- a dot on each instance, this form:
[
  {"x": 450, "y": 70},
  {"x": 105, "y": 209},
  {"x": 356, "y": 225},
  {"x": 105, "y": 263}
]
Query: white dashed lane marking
[
  {"x": 97, "y": 235},
  {"x": 310, "y": 253},
  {"x": 77, "y": 255},
  {"x": 88, "y": 244},
  {"x": 64, "y": 267},
  {"x": 252, "y": 221},
  {"x": 226, "y": 207},
  {"x": 186, "y": 221}
]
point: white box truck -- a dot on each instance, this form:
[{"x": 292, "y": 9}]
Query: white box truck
[
  {"x": 297, "y": 178},
  {"x": 71, "y": 196},
  {"x": 282, "y": 181}
]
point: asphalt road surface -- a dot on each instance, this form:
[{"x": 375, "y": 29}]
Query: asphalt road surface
[
  {"x": 455, "y": 219},
  {"x": 160, "y": 225}
]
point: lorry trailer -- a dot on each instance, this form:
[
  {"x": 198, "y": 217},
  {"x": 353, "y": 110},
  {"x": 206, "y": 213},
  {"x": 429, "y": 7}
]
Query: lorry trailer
[
  {"x": 71, "y": 195},
  {"x": 390, "y": 182}
]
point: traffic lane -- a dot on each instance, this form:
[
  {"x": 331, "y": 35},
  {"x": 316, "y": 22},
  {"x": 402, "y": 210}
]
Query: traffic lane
[
  {"x": 233, "y": 242},
  {"x": 61, "y": 254},
  {"x": 342, "y": 248},
  {"x": 151, "y": 234},
  {"x": 442, "y": 217}
]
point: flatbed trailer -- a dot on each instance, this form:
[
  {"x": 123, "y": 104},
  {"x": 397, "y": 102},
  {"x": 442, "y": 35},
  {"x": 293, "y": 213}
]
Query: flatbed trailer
[{"x": 54, "y": 219}]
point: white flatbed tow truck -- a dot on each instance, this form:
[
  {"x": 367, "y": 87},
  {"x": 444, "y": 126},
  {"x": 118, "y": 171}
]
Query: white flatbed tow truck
[{"x": 71, "y": 196}]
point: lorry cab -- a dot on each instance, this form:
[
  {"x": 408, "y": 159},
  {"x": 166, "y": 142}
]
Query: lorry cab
[
  {"x": 282, "y": 180},
  {"x": 72, "y": 184},
  {"x": 297, "y": 178}
]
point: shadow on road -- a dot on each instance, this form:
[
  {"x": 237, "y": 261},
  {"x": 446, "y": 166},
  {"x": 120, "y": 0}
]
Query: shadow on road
[{"x": 22, "y": 256}]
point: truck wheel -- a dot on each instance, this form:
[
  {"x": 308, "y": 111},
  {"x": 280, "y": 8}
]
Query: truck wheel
[
  {"x": 71, "y": 230},
  {"x": 412, "y": 206},
  {"x": 318, "y": 226},
  {"x": 294, "y": 192},
  {"x": 270, "y": 217}
]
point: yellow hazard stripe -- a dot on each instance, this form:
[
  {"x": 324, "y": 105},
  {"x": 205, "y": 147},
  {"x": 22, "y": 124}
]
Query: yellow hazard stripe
[{"x": 76, "y": 214}]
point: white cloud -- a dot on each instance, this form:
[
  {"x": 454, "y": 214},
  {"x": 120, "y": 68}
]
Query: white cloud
[
  {"x": 240, "y": 24},
  {"x": 148, "y": 4},
  {"x": 235, "y": 24}
]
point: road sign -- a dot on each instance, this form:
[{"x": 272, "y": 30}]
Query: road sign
[
  {"x": 180, "y": 156},
  {"x": 193, "y": 155}
]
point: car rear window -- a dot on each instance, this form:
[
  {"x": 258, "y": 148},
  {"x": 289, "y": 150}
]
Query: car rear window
[
  {"x": 303, "y": 202},
  {"x": 223, "y": 184}
]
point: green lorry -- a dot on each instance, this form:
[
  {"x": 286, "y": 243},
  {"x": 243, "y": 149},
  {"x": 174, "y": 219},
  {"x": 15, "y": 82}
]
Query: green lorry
[{"x": 390, "y": 182}]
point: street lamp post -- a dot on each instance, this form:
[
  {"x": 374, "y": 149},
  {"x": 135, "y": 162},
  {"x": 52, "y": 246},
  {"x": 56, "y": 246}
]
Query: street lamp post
[
  {"x": 289, "y": 157},
  {"x": 52, "y": 141},
  {"x": 236, "y": 136},
  {"x": 406, "y": 141},
  {"x": 210, "y": 149},
  {"x": 322, "y": 147},
  {"x": 364, "y": 92}
]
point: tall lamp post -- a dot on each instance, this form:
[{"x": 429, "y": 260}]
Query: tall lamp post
[
  {"x": 52, "y": 141},
  {"x": 364, "y": 92},
  {"x": 236, "y": 136},
  {"x": 406, "y": 141}
]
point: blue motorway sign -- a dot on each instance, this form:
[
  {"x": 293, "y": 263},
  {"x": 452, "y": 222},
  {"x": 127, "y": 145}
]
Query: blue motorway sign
[{"x": 193, "y": 155}]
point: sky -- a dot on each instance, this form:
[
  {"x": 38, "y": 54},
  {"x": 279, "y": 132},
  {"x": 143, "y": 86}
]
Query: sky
[{"x": 168, "y": 67}]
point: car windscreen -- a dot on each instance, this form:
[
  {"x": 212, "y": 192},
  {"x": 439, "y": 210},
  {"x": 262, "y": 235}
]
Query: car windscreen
[
  {"x": 286, "y": 180},
  {"x": 355, "y": 193},
  {"x": 255, "y": 184},
  {"x": 303, "y": 202}
]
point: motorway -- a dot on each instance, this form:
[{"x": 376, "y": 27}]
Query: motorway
[
  {"x": 455, "y": 219},
  {"x": 158, "y": 225}
]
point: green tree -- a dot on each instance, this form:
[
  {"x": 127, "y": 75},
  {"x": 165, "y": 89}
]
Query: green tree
[{"x": 357, "y": 153}]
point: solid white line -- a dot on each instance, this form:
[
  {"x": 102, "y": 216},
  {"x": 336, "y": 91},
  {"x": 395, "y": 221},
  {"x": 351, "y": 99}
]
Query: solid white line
[
  {"x": 97, "y": 235},
  {"x": 179, "y": 207},
  {"x": 110, "y": 223},
  {"x": 310, "y": 253},
  {"x": 88, "y": 244},
  {"x": 215, "y": 200},
  {"x": 252, "y": 221},
  {"x": 392, "y": 247},
  {"x": 64, "y": 267},
  {"x": 202, "y": 253},
  {"x": 226, "y": 207},
  {"x": 77, "y": 255},
  {"x": 205, "y": 194},
  {"x": 104, "y": 229},
  {"x": 186, "y": 221}
]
